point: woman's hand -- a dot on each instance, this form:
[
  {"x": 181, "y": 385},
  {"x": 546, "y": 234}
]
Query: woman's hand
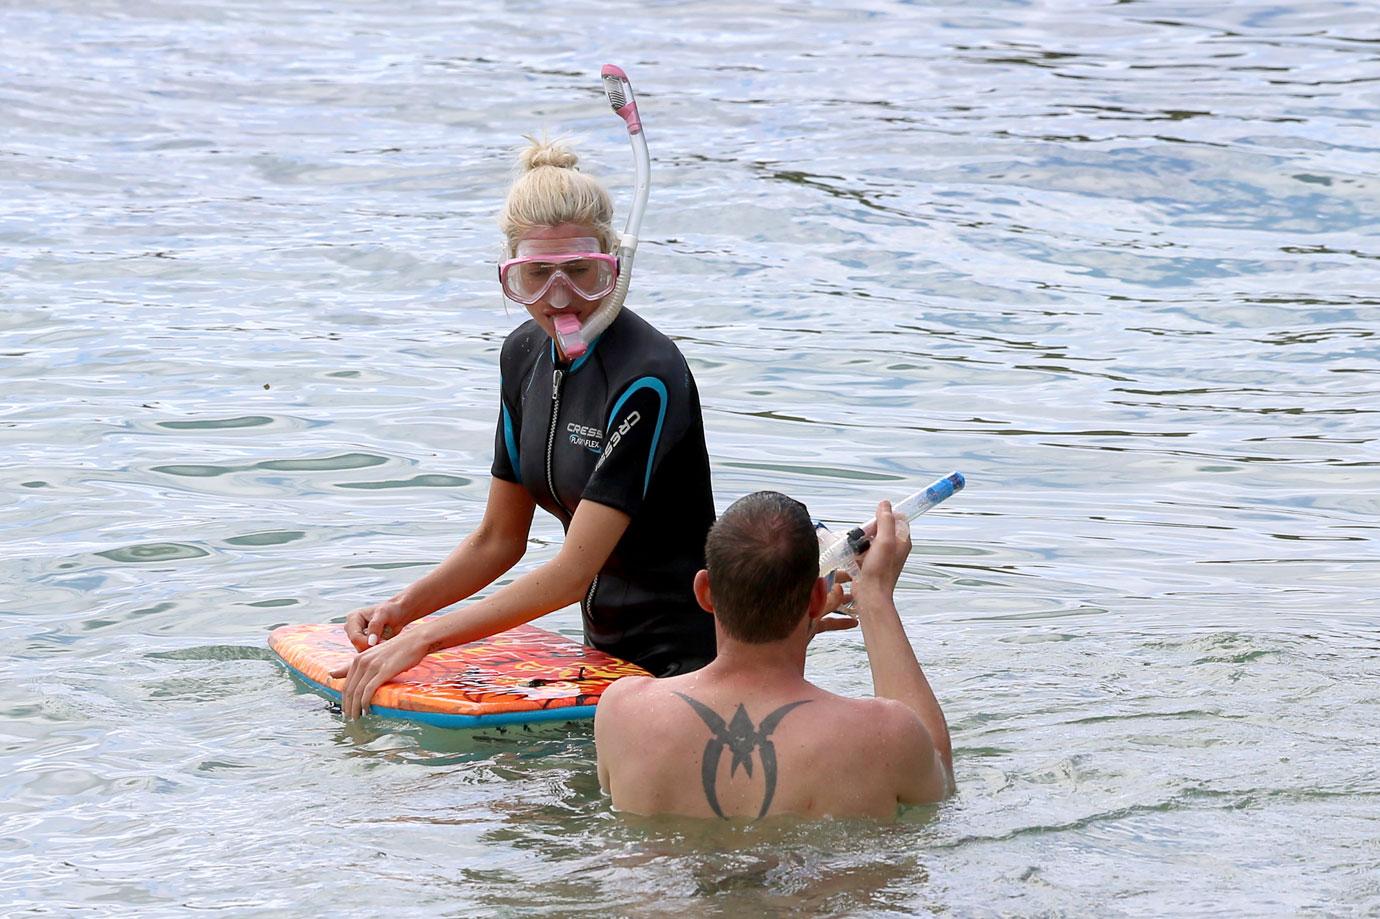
[
  {"x": 375, "y": 666},
  {"x": 370, "y": 625}
]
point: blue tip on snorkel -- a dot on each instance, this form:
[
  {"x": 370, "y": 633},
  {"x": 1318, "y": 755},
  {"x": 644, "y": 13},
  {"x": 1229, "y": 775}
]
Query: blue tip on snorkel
[{"x": 575, "y": 339}]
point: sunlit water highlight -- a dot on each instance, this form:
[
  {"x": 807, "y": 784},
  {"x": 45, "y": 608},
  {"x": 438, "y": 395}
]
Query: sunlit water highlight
[{"x": 1116, "y": 262}]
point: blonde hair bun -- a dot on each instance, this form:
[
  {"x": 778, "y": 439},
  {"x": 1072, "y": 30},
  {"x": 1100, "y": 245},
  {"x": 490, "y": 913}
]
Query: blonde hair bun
[
  {"x": 541, "y": 197},
  {"x": 547, "y": 152}
]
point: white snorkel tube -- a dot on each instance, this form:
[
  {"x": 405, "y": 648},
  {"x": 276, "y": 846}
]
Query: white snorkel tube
[{"x": 574, "y": 337}]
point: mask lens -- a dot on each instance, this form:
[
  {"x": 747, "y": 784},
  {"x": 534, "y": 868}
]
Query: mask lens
[
  {"x": 527, "y": 280},
  {"x": 591, "y": 277}
]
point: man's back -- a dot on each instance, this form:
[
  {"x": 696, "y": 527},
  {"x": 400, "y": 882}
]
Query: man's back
[
  {"x": 748, "y": 737},
  {"x": 726, "y": 745}
]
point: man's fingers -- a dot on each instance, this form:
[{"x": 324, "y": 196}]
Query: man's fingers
[
  {"x": 836, "y": 623},
  {"x": 903, "y": 533},
  {"x": 836, "y": 596},
  {"x": 886, "y": 524}
]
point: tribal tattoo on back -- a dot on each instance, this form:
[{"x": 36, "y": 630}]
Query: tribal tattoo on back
[{"x": 741, "y": 739}]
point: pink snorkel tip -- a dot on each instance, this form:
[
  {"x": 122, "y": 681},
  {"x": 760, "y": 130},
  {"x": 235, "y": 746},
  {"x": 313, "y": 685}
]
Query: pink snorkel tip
[
  {"x": 568, "y": 333},
  {"x": 623, "y": 104}
]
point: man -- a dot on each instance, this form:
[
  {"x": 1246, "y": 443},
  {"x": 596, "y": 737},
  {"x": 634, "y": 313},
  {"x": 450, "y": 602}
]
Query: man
[{"x": 748, "y": 736}]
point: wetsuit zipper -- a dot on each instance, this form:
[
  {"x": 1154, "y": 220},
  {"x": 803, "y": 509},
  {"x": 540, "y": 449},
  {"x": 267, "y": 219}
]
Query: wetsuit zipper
[
  {"x": 589, "y": 597},
  {"x": 556, "y": 377}
]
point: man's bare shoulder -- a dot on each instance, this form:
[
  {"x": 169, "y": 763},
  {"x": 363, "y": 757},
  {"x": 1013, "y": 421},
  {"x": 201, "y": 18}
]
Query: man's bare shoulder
[
  {"x": 870, "y": 714},
  {"x": 895, "y": 737},
  {"x": 875, "y": 726},
  {"x": 622, "y": 696},
  {"x": 626, "y": 688},
  {"x": 618, "y": 709},
  {"x": 630, "y": 698},
  {"x": 891, "y": 712}
]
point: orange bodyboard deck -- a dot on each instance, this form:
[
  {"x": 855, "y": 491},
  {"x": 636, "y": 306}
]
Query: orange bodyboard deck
[{"x": 521, "y": 676}]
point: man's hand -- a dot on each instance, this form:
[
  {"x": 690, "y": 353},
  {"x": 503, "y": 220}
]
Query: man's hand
[
  {"x": 837, "y": 597},
  {"x": 880, "y": 567},
  {"x": 834, "y": 623},
  {"x": 376, "y": 666},
  {"x": 370, "y": 625}
]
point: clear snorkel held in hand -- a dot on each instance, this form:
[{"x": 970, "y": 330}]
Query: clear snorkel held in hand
[
  {"x": 841, "y": 552},
  {"x": 574, "y": 338}
]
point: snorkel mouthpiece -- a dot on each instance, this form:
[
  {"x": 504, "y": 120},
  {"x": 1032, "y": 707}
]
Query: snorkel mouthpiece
[{"x": 569, "y": 336}]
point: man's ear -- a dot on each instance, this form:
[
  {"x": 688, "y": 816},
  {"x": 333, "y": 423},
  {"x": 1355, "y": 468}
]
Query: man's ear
[
  {"x": 702, "y": 591},
  {"x": 819, "y": 597}
]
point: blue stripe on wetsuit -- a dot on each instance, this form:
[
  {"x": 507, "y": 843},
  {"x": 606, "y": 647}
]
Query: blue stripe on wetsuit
[
  {"x": 511, "y": 443},
  {"x": 659, "y": 388}
]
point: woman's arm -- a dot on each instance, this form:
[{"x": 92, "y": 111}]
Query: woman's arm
[
  {"x": 495, "y": 546},
  {"x": 594, "y": 531}
]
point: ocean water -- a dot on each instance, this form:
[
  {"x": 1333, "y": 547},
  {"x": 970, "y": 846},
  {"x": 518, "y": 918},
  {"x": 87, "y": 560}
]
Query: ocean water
[{"x": 1117, "y": 262}]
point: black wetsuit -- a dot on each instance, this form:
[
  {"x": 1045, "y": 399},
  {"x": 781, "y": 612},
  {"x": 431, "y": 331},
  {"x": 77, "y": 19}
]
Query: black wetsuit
[{"x": 620, "y": 426}]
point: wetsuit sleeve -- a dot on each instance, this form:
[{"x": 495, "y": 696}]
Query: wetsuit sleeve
[
  {"x": 507, "y": 463},
  {"x": 643, "y": 425}
]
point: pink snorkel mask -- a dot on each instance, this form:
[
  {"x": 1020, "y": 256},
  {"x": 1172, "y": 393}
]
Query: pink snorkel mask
[
  {"x": 558, "y": 271},
  {"x": 545, "y": 267}
]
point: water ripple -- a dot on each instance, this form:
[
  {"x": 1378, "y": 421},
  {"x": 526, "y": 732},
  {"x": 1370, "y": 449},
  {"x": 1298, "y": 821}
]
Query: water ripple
[{"x": 1114, "y": 261}]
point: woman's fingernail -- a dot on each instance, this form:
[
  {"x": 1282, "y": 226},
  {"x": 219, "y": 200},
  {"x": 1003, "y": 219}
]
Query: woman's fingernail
[{"x": 373, "y": 640}]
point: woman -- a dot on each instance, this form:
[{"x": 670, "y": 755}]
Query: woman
[{"x": 611, "y": 442}]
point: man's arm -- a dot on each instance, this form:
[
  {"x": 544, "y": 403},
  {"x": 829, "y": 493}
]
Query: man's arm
[
  {"x": 604, "y": 732},
  {"x": 611, "y": 724},
  {"x": 896, "y": 673},
  {"x": 921, "y": 777}
]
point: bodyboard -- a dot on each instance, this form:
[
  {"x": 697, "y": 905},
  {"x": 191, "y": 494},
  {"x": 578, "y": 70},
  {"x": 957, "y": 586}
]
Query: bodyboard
[{"x": 521, "y": 676}]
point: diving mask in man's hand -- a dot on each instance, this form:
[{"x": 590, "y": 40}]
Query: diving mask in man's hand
[{"x": 544, "y": 266}]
